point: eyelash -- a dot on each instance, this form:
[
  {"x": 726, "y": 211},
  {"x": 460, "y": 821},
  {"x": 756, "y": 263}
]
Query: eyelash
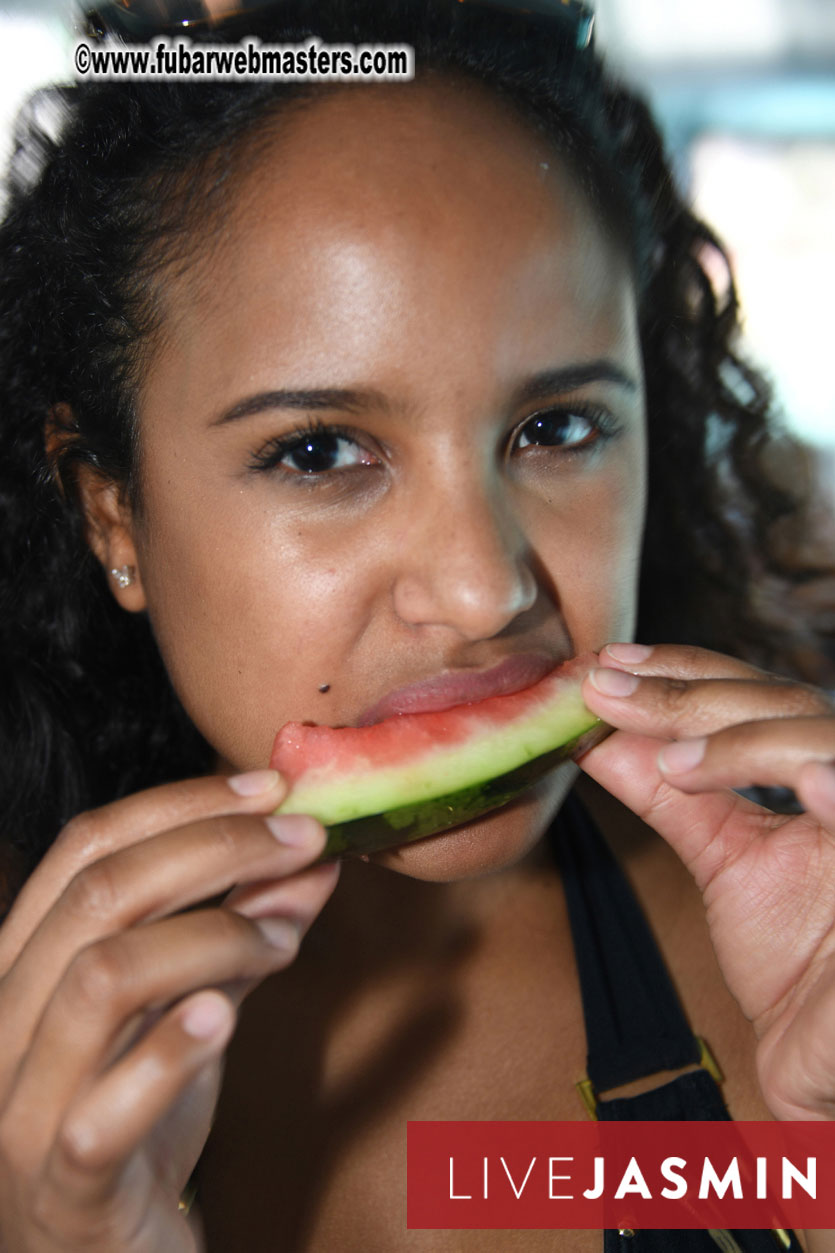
[
  {"x": 268, "y": 458},
  {"x": 273, "y": 453}
]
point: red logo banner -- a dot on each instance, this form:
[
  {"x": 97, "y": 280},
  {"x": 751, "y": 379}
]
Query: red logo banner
[{"x": 517, "y": 1175}]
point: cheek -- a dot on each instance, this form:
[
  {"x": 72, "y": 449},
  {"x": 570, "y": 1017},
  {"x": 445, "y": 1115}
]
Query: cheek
[
  {"x": 252, "y": 615},
  {"x": 592, "y": 552}
]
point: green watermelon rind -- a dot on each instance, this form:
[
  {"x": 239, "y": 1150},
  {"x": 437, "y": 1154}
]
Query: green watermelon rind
[
  {"x": 445, "y": 771},
  {"x": 405, "y": 823}
]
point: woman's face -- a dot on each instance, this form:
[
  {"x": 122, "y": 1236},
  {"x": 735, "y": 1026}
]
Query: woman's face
[{"x": 394, "y": 431}]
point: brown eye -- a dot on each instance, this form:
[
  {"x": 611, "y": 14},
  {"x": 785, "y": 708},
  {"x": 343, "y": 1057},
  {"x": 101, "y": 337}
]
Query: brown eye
[
  {"x": 558, "y": 428},
  {"x": 316, "y": 454},
  {"x": 314, "y": 451}
]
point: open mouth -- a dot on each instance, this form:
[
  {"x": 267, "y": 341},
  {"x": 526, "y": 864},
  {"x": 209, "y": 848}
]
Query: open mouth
[
  {"x": 461, "y": 687},
  {"x": 418, "y": 773}
]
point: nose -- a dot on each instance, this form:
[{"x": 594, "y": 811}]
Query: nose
[{"x": 466, "y": 561}]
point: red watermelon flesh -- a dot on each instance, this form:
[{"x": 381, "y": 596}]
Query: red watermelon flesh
[{"x": 415, "y": 774}]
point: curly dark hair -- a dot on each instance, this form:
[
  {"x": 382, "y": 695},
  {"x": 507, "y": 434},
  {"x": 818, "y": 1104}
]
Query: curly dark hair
[{"x": 135, "y": 178}]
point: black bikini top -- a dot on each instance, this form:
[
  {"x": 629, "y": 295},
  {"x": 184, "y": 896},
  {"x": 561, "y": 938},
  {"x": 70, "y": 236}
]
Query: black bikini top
[{"x": 635, "y": 1025}]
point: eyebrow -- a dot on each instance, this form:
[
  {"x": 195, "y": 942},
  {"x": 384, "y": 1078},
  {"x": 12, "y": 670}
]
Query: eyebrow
[
  {"x": 297, "y": 398},
  {"x": 546, "y": 383},
  {"x": 572, "y": 377}
]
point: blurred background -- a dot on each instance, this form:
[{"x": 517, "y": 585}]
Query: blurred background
[{"x": 745, "y": 92}]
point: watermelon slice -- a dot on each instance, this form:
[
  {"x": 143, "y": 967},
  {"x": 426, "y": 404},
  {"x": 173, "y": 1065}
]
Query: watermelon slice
[{"x": 413, "y": 775}]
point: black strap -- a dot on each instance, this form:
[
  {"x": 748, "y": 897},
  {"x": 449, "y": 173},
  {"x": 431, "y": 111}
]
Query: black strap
[
  {"x": 635, "y": 1025},
  {"x": 694, "y": 1095}
]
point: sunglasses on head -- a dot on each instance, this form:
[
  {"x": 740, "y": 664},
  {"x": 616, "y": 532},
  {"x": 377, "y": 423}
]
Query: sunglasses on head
[{"x": 139, "y": 20}]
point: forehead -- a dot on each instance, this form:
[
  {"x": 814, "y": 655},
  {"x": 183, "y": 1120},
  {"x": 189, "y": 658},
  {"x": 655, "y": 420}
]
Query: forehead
[{"x": 427, "y": 213}]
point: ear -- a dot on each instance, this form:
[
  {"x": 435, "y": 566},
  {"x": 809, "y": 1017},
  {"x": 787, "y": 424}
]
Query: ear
[
  {"x": 108, "y": 519},
  {"x": 109, "y": 528}
]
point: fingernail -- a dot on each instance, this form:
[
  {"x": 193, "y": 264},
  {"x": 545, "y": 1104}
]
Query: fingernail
[
  {"x": 629, "y": 654},
  {"x": 614, "y": 682},
  {"x": 681, "y": 756},
  {"x": 295, "y": 830},
  {"x": 205, "y": 1017},
  {"x": 254, "y": 783},
  {"x": 822, "y": 777},
  {"x": 279, "y": 932}
]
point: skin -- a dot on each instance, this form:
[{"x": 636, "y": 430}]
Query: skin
[
  {"x": 451, "y": 547},
  {"x": 241, "y": 569}
]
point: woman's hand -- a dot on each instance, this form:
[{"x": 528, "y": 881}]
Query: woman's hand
[
  {"x": 768, "y": 880},
  {"x": 117, "y": 999}
]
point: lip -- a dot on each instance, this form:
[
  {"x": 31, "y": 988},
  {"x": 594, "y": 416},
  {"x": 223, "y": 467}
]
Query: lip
[{"x": 461, "y": 687}]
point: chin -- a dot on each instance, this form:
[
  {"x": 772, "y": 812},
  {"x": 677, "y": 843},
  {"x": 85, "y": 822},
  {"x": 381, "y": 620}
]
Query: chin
[{"x": 485, "y": 845}]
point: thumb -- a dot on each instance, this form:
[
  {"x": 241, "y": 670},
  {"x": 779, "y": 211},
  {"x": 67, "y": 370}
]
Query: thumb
[{"x": 707, "y": 830}]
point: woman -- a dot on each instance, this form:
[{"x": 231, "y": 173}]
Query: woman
[{"x": 342, "y": 401}]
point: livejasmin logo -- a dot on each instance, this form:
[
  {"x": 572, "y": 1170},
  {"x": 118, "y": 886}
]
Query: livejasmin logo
[
  {"x": 633, "y": 1180},
  {"x": 593, "y": 1175}
]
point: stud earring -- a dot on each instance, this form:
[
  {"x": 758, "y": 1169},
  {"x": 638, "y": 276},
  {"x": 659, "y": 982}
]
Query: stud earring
[{"x": 124, "y": 576}]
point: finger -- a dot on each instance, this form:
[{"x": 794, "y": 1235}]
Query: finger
[
  {"x": 815, "y": 790},
  {"x": 706, "y": 830},
  {"x": 96, "y": 833},
  {"x": 683, "y": 661},
  {"x": 304, "y": 893},
  {"x": 299, "y": 899},
  {"x": 746, "y": 861},
  {"x": 105, "y": 1125},
  {"x": 160, "y": 875},
  {"x": 673, "y": 708},
  {"x": 764, "y": 754},
  {"x": 110, "y": 986}
]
